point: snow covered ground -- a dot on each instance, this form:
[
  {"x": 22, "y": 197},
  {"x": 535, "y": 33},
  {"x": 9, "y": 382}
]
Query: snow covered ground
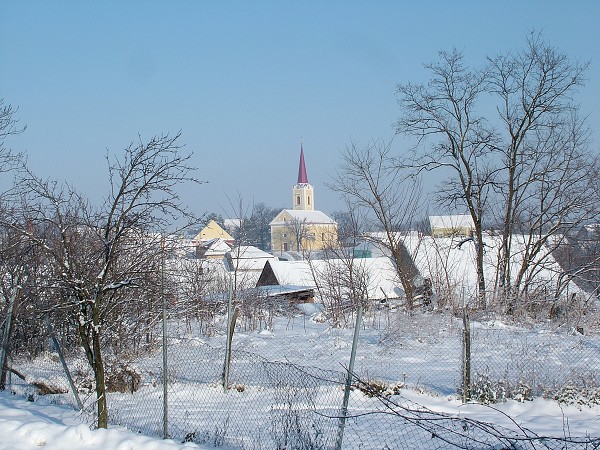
[
  {"x": 31, "y": 425},
  {"x": 28, "y": 425},
  {"x": 292, "y": 365}
]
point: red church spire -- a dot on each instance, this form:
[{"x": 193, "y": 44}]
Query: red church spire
[{"x": 302, "y": 177}]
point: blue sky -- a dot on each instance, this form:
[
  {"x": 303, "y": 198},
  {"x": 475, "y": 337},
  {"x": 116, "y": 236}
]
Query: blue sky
[{"x": 247, "y": 81}]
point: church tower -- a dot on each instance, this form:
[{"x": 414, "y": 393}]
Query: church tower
[
  {"x": 302, "y": 228},
  {"x": 303, "y": 191}
]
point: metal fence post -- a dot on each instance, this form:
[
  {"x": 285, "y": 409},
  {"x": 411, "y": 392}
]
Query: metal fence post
[
  {"x": 466, "y": 344},
  {"x": 349, "y": 376},
  {"x": 164, "y": 344},
  {"x": 58, "y": 349},
  {"x": 230, "y": 330},
  {"x": 5, "y": 336}
]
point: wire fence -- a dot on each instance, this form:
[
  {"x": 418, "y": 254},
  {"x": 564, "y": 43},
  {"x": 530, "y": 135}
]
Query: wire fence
[
  {"x": 523, "y": 364},
  {"x": 277, "y": 399}
]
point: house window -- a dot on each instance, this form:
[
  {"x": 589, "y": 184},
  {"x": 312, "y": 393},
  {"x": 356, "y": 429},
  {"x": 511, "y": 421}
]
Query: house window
[
  {"x": 284, "y": 234},
  {"x": 297, "y": 200},
  {"x": 309, "y": 200},
  {"x": 322, "y": 236},
  {"x": 285, "y": 247}
]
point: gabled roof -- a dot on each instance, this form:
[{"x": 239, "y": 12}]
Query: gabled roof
[
  {"x": 212, "y": 230},
  {"x": 311, "y": 217},
  {"x": 217, "y": 246},
  {"x": 250, "y": 252},
  {"x": 380, "y": 275},
  {"x": 451, "y": 222},
  {"x": 248, "y": 257}
]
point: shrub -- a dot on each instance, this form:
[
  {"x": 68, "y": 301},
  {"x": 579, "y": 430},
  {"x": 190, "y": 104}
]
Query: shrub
[{"x": 378, "y": 388}]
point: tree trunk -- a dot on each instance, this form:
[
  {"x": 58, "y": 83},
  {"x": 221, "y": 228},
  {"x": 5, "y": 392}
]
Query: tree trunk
[
  {"x": 90, "y": 340},
  {"x": 481, "y": 294},
  {"x": 8, "y": 330},
  {"x": 99, "y": 372},
  {"x": 405, "y": 268}
]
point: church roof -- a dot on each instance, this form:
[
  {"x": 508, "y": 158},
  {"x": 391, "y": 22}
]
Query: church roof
[
  {"x": 302, "y": 176},
  {"x": 316, "y": 217}
]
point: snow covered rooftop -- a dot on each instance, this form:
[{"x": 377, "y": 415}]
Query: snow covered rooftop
[
  {"x": 248, "y": 257},
  {"x": 379, "y": 274},
  {"x": 451, "y": 221},
  {"x": 304, "y": 216}
]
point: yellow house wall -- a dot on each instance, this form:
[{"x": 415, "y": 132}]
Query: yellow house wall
[
  {"x": 212, "y": 231},
  {"x": 449, "y": 232}
]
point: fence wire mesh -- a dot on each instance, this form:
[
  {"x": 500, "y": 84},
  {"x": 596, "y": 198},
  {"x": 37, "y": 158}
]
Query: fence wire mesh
[
  {"x": 276, "y": 399},
  {"x": 522, "y": 364}
]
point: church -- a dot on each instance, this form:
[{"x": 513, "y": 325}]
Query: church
[{"x": 302, "y": 228}]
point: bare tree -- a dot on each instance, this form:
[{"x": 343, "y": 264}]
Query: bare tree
[
  {"x": 14, "y": 253},
  {"x": 101, "y": 259},
  {"x": 256, "y": 226},
  {"x": 528, "y": 168},
  {"x": 371, "y": 179},
  {"x": 547, "y": 181},
  {"x": 342, "y": 278},
  {"x": 9, "y": 126},
  {"x": 248, "y": 303},
  {"x": 452, "y": 136}
]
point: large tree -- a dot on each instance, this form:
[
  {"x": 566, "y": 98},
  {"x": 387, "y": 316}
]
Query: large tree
[
  {"x": 547, "y": 181},
  {"x": 105, "y": 260},
  {"x": 454, "y": 138},
  {"x": 524, "y": 164},
  {"x": 9, "y": 126},
  {"x": 14, "y": 253},
  {"x": 257, "y": 228}
]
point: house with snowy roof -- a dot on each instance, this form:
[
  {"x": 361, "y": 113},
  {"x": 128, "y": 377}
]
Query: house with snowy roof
[
  {"x": 211, "y": 231},
  {"x": 302, "y": 228},
  {"x": 451, "y": 225},
  {"x": 375, "y": 278},
  {"x": 215, "y": 248}
]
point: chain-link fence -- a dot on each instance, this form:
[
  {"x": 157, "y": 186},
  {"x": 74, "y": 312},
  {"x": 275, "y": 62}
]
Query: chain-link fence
[
  {"x": 522, "y": 364},
  {"x": 287, "y": 384}
]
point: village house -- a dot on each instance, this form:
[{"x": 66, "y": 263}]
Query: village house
[
  {"x": 460, "y": 225},
  {"x": 212, "y": 230},
  {"x": 212, "y": 241},
  {"x": 375, "y": 277},
  {"x": 215, "y": 248}
]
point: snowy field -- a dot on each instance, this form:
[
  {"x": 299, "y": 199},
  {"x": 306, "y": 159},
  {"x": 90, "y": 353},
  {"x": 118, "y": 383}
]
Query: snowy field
[
  {"x": 282, "y": 375},
  {"x": 32, "y": 425}
]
